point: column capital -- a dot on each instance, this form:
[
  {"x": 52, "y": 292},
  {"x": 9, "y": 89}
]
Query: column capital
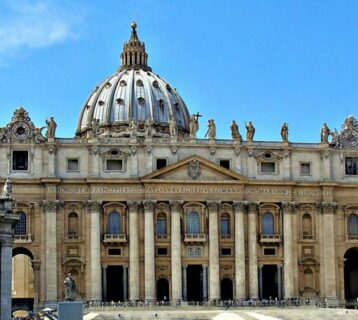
[
  {"x": 289, "y": 207},
  {"x": 240, "y": 206},
  {"x": 213, "y": 206},
  {"x": 328, "y": 207},
  {"x": 149, "y": 206},
  {"x": 94, "y": 206},
  {"x": 51, "y": 205},
  {"x": 133, "y": 205},
  {"x": 252, "y": 207},
  {"x": 36, "y": 264},
  {"x": 176, "y": 205}
]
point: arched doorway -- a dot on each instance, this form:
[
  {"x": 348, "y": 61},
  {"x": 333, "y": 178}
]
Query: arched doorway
[
  {"x": 351, "y": 274},
  {"x": 23, "y": 288},
  {"x": 162, "y": 290},
  {"x": 226, "y": 289}
]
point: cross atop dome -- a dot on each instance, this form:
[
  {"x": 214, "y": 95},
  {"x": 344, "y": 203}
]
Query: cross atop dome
[{"x": 133, "y": 54}]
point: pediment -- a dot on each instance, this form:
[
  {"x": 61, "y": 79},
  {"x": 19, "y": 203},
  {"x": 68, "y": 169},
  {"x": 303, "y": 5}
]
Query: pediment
[{"x": 195, "y": 168}]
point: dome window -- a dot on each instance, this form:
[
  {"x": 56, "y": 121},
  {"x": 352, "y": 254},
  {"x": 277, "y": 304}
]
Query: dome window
[
  {"x": 88, "y": 106},
  {"x": 107, "y": 85},
  {"x": 123, "y": 83},
  {"x": 120, "y": 101},
  {"x": 139, "y": 83},
  {"x": 141, "y": 101},
  {"x": 101, "y": 103},
  {"x": 155, "y": 84},
  {"x": 169, "y": 88}
]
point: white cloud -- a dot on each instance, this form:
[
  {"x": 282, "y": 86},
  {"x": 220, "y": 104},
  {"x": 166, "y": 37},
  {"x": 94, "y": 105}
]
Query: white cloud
[{"x": 26, "y": 24}]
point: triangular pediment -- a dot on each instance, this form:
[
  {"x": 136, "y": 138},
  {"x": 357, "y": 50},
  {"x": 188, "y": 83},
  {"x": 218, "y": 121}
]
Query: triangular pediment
[{"x": 195, "y": 168}]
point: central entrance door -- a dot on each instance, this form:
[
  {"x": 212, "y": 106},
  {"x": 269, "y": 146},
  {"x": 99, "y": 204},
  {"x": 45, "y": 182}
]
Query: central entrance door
[
  {"x": 115, "y": 283},
  {"x": 194, "y": 283},
  {"x": 269, "y": 282}
]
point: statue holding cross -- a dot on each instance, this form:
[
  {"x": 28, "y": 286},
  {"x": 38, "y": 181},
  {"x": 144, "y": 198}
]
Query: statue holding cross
[{"x": 194, "y": 125}]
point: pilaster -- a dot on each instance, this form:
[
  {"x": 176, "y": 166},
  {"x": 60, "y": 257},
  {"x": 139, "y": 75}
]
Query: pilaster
[{"x": 252, "y": 250}]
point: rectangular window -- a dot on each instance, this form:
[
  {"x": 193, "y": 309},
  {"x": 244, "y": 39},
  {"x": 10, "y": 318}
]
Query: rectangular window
[
  {"x": 114, "y": 164},
  {"x": 351, "y": 166},
  {"x": 269, "y": 251},
  {"x": 305, "y": 168},
  {"x": 20, "y": 160},
  {"x": 268, "y": 167},
  {"x": 225, "y": 231},
  {"x": 161, "y": 227},
  {"x": 72, "y": 165},
  {"x": 225, "y": 164},
  {"x": 226, "y": 251},
  {"x": 161, "y": 163},
  {"x": 162, "y": 251},
  {"x": 114, "y": 252}
]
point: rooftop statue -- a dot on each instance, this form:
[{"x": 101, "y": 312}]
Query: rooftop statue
[
  {"x": 211, "y": 133},
  {"x": 51, "y": 128},
  {"x": 235, "y": 134},
  {"x": 284, "y": 132},
  {"x": 194, "y": 125},
  {"x": 250, "y": 131}
]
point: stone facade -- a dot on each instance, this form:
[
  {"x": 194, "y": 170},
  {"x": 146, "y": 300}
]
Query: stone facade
[{"x": 173, "y": 217}]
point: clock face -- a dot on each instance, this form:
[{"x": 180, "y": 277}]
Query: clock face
[{"x": 20, "y": 130}]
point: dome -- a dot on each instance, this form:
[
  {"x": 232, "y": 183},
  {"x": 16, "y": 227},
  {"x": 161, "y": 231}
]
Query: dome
[{"x": 134, "y": 94}]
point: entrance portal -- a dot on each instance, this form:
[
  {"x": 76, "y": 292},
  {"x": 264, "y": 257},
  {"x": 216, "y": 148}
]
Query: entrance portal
[
  {"x": 163, "y": 290},
  {"x": 115, "y": 283},
  {"x": 269, "y": 282},
  {"x": 194, "y": 283},
  {"x": 22, "y": 280},
  {"x": 226, "y": 289},
  {"x": 351, "y": 274}
]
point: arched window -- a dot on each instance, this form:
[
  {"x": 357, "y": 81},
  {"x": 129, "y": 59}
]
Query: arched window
[
  {"x": 20, "y": 227},
  {"x": 267, "y": 223},
  {"x": 114, "y": 223},
  {"x": 193, "y": 223},
  {"x": 225, "y": 226},
  {"x": 308, "y": 279},
  {"x": 72, "y": 225},
  {"x": 353, "y": 225},
  {"x": 306, "y": 225},
  {"x": 161, "y": 224}
]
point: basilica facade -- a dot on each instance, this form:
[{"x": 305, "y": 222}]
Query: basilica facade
[{"x": 136, "y": 207}]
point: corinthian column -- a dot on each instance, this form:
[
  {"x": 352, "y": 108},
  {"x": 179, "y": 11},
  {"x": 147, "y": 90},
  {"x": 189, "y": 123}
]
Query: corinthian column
[
  {"x": 95, "y": 267},
  {"x": 240, "y": 277},
  {"x": 288, "y": 209},
  {"x": 252, "y": 250},
  {"x": 133, "y": 252},
  {"x": 149, "y": 262},
  {"x": 329, "y": 209},
  {"x": 51, "y": 251},
  {"x": 176, "y": 251},
  {"x": 214, "y": 273}
]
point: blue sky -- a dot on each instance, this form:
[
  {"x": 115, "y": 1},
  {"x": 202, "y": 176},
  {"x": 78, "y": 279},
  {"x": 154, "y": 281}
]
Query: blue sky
[{"x": 265, "y": 61}]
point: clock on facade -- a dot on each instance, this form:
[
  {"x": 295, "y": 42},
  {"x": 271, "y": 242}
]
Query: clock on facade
[{"x": 20, "y": 130}]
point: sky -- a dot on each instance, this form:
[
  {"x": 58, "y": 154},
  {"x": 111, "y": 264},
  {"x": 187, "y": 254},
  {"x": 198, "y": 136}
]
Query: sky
[{"x": 268, "y": 61}]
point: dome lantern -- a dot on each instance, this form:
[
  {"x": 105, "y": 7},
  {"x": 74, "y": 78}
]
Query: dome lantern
[{"x": 133, "y": 54}]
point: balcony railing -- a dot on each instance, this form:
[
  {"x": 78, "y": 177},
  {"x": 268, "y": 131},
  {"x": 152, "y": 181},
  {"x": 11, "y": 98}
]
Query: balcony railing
[
  {"x": 308, "y": 237},
  {"x": 275, "y": 237},
  {"x": 114, "y": 238},
  {"x": 352, "y": 237},
  {"x": 22, "y": 238},
  {"x": 199, "y": 237}
]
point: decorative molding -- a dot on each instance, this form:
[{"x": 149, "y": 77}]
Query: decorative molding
[
  {"x": 289, "y": 207},
  {"x": 213, "y": 206},
  {"x": 328, "y": 207},
  {"x": 94, "y": 206},
  {"x": 252, "y": 207},
  {"x": 51, "y": 205},
  {"x": 148, "y": 206},
  {"x": 176, "y": 205},
  {"x": 133, "y": 205},
  {"x": 194, "y": 170},
  {"x": 240, "y": 206}
]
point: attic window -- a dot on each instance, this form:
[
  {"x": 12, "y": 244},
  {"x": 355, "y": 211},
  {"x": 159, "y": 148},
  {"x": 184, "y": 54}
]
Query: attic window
[
  {"x": 225, "y": 163},
  {"x": 120, "y": 101},
  {"x": 114, "y": 152},
  {"x": 141, "y": 101},
  {"x": 101, "y": 103},
  {"x": 155, "y": 84},
  {"x": 114, "y": 165},
  {"x": 139, "y": 83},
  {"x": 123, "y": 83},
  {"x": 267, "y": 155},
  {"x": 161, "y": 163},
  {"x": 268, "y": 167}
]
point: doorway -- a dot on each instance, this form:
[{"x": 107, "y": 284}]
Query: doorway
[
  {"x": 114, "y": 283},
  {"x": 269, "y": 282},
  {"x": 351, "y": 274},
  {"x": 162, "y": 290},
  {"x": 194, "y": 283},
  {"x": 226, "y": 289}
]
